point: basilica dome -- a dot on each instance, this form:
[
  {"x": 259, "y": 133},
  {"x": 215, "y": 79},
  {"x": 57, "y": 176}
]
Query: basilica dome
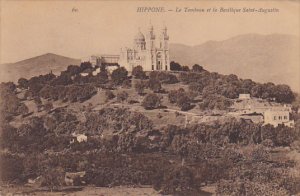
[{"x": 139, "y": 36}]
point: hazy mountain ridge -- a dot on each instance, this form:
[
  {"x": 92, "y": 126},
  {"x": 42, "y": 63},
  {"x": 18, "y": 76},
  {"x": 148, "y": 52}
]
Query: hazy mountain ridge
[
  {"x": 263, "y": 58},
  {"x": 36, "y": 66}
]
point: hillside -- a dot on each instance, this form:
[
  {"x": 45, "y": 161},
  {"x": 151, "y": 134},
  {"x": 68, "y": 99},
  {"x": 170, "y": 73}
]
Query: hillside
[
  {"x": 262, "y": 58},
  {"x": 35, "y": 66}
]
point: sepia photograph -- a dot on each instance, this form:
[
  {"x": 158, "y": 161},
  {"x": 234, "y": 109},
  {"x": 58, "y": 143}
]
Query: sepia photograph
[{"x": 140, "y": 97}]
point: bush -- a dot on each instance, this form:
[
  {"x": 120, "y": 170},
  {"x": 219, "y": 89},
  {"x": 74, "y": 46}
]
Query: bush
[
  {"x": 122, "y": 96},
  {"x": 181, "y": 99},
  {"x": 11, "y": 168},
  {"x": 163, "y": 77},
  {"x": 179, "y": 180},
  {"x": 151, "y": 101},
  {"x": 138, "y": 72},
  {"x": 140, "y": 87},
  {"x": 155, "y": 85},
  {"x": 185, "y": 68},
  {"x": 119, "y": 75},
  {"x": 175, "y": 66},
  {"x": 197, "y": 68},
  {"x": 215, "y": 102},
  {"x": 23, "y": 83}
]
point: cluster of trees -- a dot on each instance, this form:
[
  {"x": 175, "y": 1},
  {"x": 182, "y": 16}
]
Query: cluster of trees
[
  {"x": 215, "y": 101},
  {"x": 152, "y": 84},
  {"x": 209, "y": 151},
  {"x": 163, "y": 77},
  {"x": 230, "y": 86},
  {"x": 70, "y": 84},
  {"x": 174, "y": 66},
  {"x": 72, "y": 93}
]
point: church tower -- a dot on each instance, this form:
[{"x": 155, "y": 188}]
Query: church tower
[
  {"x": 164, "y": 48},
  {"x": 150, "y": 46}
]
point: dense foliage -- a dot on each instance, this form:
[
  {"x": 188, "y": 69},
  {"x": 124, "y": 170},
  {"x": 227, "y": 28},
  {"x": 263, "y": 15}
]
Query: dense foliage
[{"x": 125, "y": 147}]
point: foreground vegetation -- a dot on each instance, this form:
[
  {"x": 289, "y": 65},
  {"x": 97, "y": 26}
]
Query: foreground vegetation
[{"x": 125, "y": 147}]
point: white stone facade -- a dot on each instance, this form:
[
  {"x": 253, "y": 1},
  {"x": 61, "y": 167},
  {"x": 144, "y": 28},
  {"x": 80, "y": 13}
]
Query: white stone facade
[
  {"x": 150, "y": 52},
  {"x": 276, "y": 117}
]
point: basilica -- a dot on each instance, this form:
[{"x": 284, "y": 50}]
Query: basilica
[{"x": 150, "y": 51}]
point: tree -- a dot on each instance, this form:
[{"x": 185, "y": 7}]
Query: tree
[
  {"x": 185, "y": 68},
  {"x": 196, "y": 87},
  {"x": 12, "y": 166},
  {"x": 73, "y": 69},
  {"x": 140, "y": 87},
  {"x": 53, "y": 177},
  {"x": 283, "y": 94},
  {"x": 119, "y": 75},
  {"x": 23, "y": 83},
  {"x": 197, "y": 68},
  {"x": 184, "y": 103},
  {"x": 256, "y": 91},
  {"x": 175, "y": 66},
  {"x": 155, "y": 85},
  {"x": 181, "y": 99},
  {"x": 151, "y": 101},
  {"x": 138, "y": 72},
  {"x": 126, "y": 83},
  {"x": 85, "y": 65},
  {"x": 102, "y": 76}
]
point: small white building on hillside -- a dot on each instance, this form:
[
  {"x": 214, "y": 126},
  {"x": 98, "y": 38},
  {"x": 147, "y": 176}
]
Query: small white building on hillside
[
  {"x": 244, "y": 96},
  {"x": 276, "y": 117}
]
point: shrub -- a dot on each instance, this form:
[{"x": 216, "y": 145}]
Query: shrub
[
  {"x": 180, "y": 98},
  {"x": 23, "y": 83},
  {"x": 185, "y": 68},
  {"x": 119, "y": 75},
  {"x": 175, "y": 66},
  {"x": 155, "y": 85},
  {"x": 140, "y": 87},
  {"x": 197, "y": 68},
  {"x": 151, "y": 101},
  {"x": 138, "y": 72},
  {"x": 163, "y": 77},
  {"x": 122, "y": 96}
]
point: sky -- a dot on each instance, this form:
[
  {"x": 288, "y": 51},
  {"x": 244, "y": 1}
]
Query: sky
[{"x": 80, "y": 28}]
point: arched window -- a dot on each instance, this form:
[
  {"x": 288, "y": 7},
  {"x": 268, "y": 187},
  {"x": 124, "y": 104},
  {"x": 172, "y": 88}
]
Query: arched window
[{"x": 152, "y": 67}]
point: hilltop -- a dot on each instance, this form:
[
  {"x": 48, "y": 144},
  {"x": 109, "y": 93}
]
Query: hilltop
[{"x": 36, "y": 66}]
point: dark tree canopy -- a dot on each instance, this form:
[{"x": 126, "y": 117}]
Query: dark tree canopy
[
  {"x": 175, "y": 66},
  {"x": 138, "y": 72},
  {"x": 197, "y": 68},
  {"x": 155, "y": 85},
  {"x": 119, "y": 75},
  {"x": 151, "y": 101},
  {"x": 140, "y": 87}
]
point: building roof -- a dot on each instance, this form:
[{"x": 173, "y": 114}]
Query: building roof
[{"x": 139, "y": 36}]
